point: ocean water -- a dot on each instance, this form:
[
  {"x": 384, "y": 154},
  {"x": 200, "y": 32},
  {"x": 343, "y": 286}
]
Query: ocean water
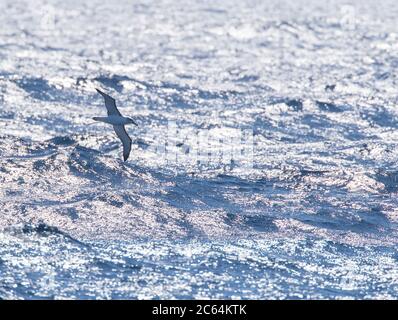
[{"x": 301, "y": 205}]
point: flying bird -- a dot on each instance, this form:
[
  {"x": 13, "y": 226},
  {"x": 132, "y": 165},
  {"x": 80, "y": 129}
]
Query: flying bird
[{"x": 116, "y": 119}]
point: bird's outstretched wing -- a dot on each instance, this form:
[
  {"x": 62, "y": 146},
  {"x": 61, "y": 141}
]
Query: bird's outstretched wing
[
  {"x": 110, "y": 104},
  {"x": 126, "y": 140}
]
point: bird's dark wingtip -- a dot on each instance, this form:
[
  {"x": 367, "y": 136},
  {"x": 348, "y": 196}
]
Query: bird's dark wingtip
[{"x": 99, "y": 91}]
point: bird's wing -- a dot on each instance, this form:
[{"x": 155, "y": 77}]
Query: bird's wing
[
  {"x": 126, "y": 140},
  {"x": 110, "y": 104}
]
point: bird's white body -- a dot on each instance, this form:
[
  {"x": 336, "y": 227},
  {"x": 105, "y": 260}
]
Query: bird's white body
[{"x": 116, "y": 119}]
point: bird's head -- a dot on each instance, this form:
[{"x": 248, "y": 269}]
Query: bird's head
[{"x": 132, "y": 121}]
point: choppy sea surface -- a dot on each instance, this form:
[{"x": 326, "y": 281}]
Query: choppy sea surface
[{"x": 312, "y": 213}]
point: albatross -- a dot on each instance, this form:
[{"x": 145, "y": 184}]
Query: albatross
[{"x": 118, "y": 122}]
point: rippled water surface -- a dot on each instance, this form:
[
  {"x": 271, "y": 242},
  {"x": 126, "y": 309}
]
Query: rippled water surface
[{"x": 312, "y": 214}]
